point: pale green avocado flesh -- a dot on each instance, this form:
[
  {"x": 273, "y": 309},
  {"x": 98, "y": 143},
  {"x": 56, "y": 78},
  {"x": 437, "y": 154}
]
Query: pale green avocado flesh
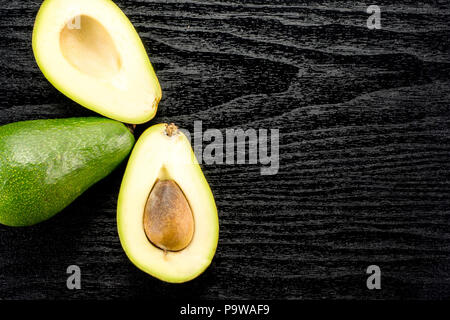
[{"x": 47, "y": 164}]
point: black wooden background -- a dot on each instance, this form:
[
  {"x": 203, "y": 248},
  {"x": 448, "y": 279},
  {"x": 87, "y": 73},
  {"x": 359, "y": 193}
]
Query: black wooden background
[{"x": 364, "y": 119}]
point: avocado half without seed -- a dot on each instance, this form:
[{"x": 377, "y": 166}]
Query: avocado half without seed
[
  {"x": 90, "y": 51},
  {"x": 166, "y": 215}
]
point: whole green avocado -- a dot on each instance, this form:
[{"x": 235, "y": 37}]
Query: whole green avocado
[{"x": 47, "y": 164}]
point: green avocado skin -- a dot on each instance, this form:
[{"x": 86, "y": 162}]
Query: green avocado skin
[{"x": 47, "y": 164}]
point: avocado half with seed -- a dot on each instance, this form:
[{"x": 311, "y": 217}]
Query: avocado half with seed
[
  {"x": 166, "y": 214},
  {"x": 90, "y": 51}
]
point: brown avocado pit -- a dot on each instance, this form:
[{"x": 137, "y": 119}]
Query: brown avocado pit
[{"x": 168, "y": 219}]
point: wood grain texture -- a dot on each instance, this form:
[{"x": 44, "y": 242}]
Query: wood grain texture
[{"x": 364, "y": 119}]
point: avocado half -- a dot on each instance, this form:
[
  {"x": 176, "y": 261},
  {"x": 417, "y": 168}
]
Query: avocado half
[
  {"x": 90, "y": 51},
  {"x": 170, "y": 239}
]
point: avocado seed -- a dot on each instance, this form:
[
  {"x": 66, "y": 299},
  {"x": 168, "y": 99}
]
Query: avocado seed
[{"x": 168, "y": 219}]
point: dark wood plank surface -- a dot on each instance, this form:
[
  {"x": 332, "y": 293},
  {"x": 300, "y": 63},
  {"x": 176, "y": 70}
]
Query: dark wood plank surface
[{"x": 364, "y": 119}]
